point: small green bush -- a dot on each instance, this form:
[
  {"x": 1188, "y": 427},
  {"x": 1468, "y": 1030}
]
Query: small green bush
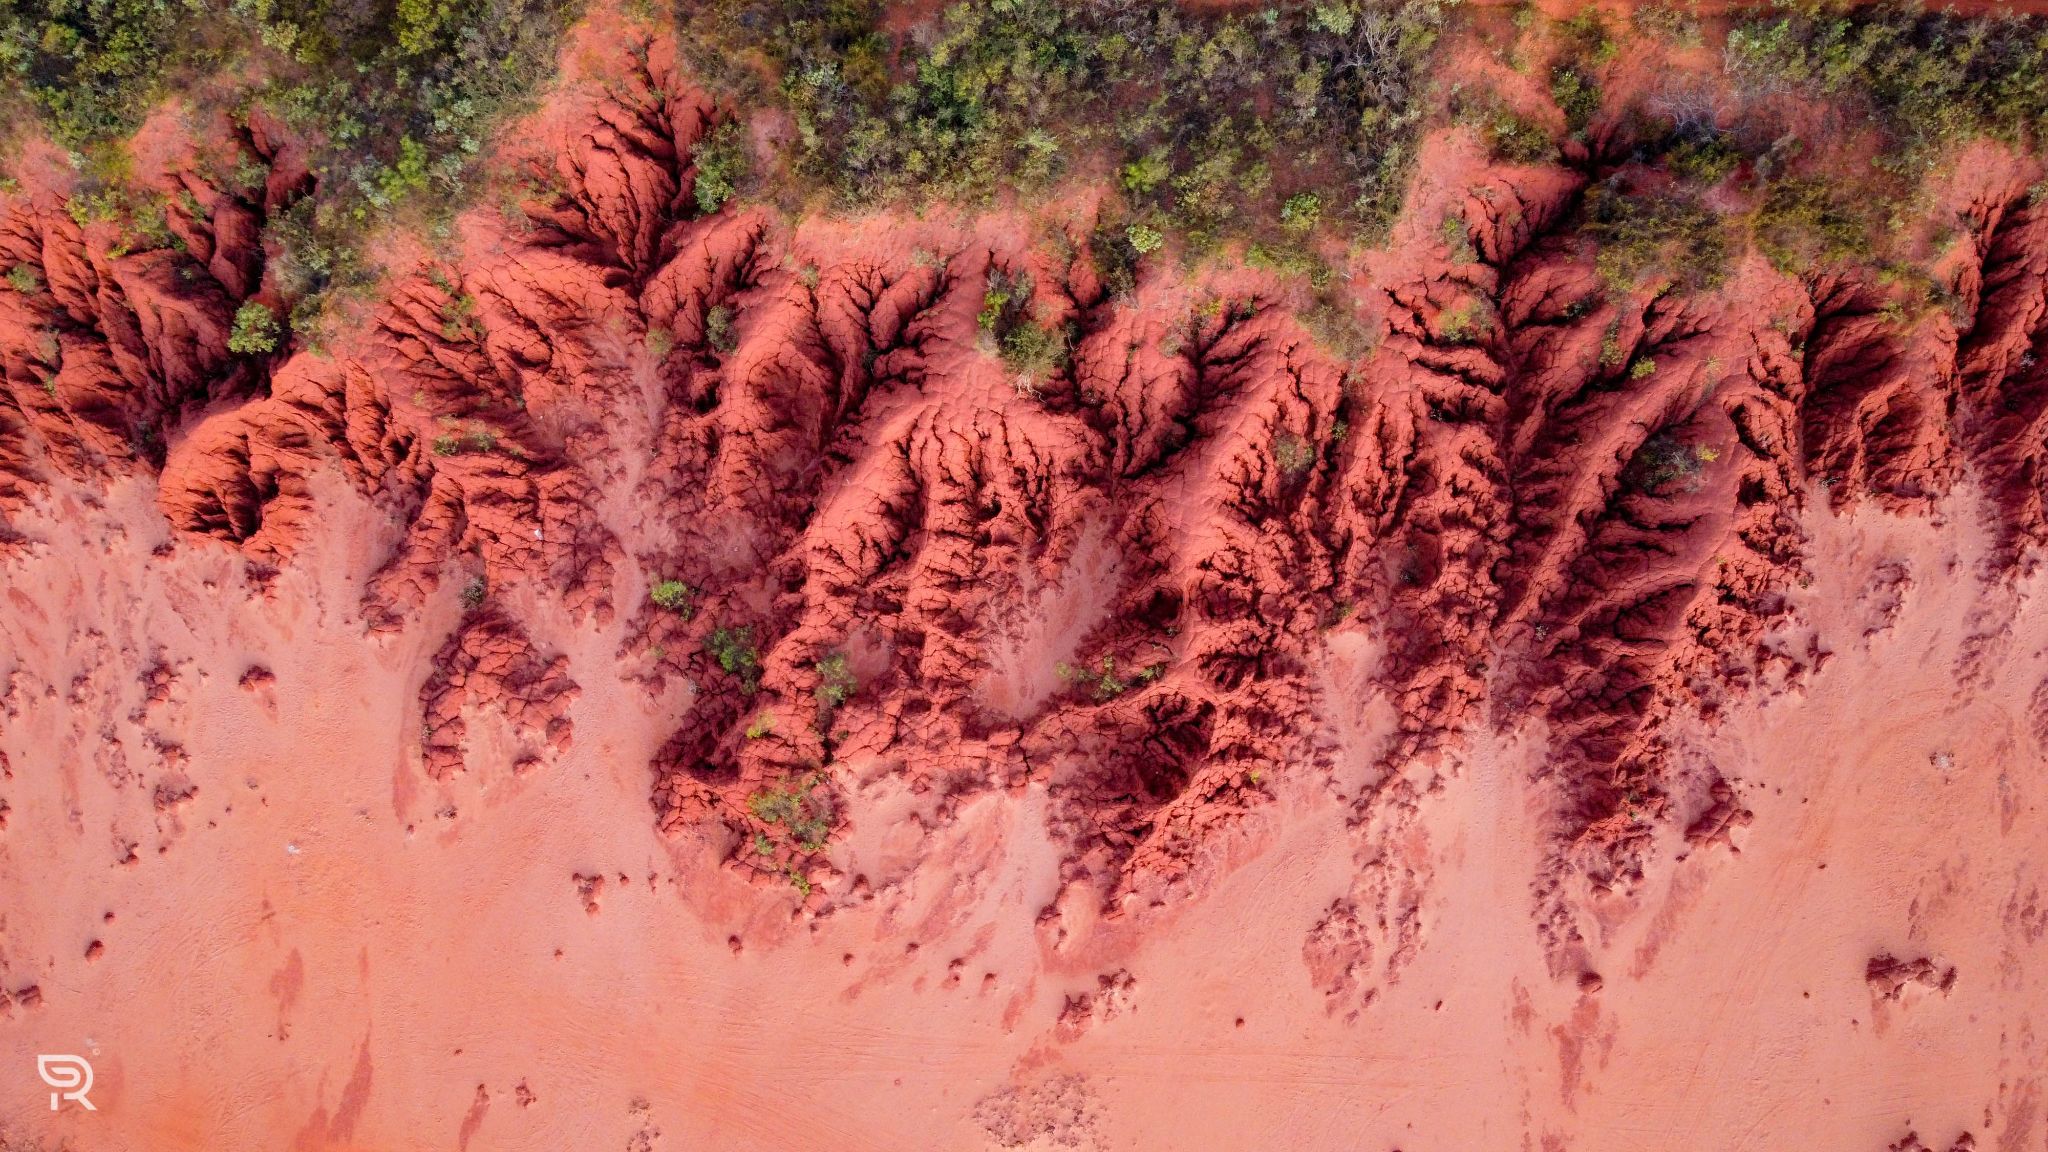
[
  {"x": 836, "y": 681},
  {"x": 1612, "y": 354},
  {"x": 1457, "y": 238},
  {"x": 674, "y": 596},
  {"x": 255, "y": 330},
  {"x": 1585, "y": 38},
  {"x": 1664, "y": 461},
  {"x": 722, "y": 162},
  {"x": 1294, "y": 454},
  {"x": 1704, "y": 160},
  {"x": 1103, "y": 680},
  {"x": 802, "y": 807},
  {"x": 1806, "y": 224},
  {"x": 459, "y": 319},
  {"x": 1516, "y": 139},
  {"x": 718, "y": 328},
  {"x": 732, "y": 649},
  {"x": 1577, "y": 95},
  {"x": 1008, "y": 320},
  {"x": 1302, "y": 212},
  {"x": 1465, "y": 322},
  {"x": 423, "y": 25},
  {"x": 23, "y": 278}
]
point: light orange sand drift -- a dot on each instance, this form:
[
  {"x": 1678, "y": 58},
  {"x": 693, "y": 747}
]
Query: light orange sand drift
[{"x": 319, "y": 949}]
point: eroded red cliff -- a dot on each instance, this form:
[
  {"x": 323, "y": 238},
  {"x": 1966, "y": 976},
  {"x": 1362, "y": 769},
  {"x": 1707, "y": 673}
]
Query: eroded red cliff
[{"x": 1138, "y": 577}]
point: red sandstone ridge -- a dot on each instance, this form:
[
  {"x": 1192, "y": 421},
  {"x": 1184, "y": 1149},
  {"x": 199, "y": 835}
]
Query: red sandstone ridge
[{"x": 801, "y": 421}]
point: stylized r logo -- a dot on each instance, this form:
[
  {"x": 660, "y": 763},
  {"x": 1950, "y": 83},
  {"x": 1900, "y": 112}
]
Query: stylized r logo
[{"x": 70, "y": 1075}]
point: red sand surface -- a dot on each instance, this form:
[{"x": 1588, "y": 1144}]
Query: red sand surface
[{"x": 1471, "y": 782}]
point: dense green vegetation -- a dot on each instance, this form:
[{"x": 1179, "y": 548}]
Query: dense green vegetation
[
  {"x": 1209, "y": 123},
  {"x": 1280, "y": 126}
]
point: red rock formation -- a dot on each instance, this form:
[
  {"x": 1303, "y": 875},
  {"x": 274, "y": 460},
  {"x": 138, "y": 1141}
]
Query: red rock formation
[
  {"x": 1550, "y": 499},
  {"x": 1889, "y": 976},
  {"x": 491, "y": 663}
]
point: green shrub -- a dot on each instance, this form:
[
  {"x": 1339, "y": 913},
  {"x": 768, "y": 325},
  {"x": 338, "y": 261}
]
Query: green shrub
[
  {"x": 23, "y": 278},
  {"x": 1103, "y": 680},
  {"x": 1293, "y": 454},
  {"x": 732, "y": 649},
  {"x": 722, "y": 163},
  {"x": 1651, "y": 236},
  {"x": 1704, "y": 160},
  {"x": 1665, "y": 461},
  {"x": 423, "y": 25},
  {"x": 1516, "y": 139},
  {"x": 1584, "y": 38},
  {"x": 802, "y": 807},
  {"x": 1612, "y": 354},
  {"x": 718, "y": 328},
  {"x": 674, "y": 596},
  {"x": 458, "y": 319},
  {"x": 1465, "y": 322},
  {"x": 1577, "y": 95},
  {"x": 255, "y": 330},
  {"x": 836, "y": 681},
  {"x": 1301, "y": 212},
  {"x": 1009, "y": 321},
  {"x": 1457, "y": 238},
  {"x": 1142, "y": 176}
]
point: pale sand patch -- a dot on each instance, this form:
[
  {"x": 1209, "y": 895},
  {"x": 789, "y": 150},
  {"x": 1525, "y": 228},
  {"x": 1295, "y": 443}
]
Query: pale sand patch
[{"x": 321, "y": 956}]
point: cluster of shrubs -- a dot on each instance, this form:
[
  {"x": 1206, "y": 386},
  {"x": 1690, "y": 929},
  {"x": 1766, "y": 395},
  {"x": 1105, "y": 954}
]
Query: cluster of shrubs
[
  {"x": 1212, "y": 123},
  {"x": 1929, "y": 78},
  {"x": 1911, "y": 83}
]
